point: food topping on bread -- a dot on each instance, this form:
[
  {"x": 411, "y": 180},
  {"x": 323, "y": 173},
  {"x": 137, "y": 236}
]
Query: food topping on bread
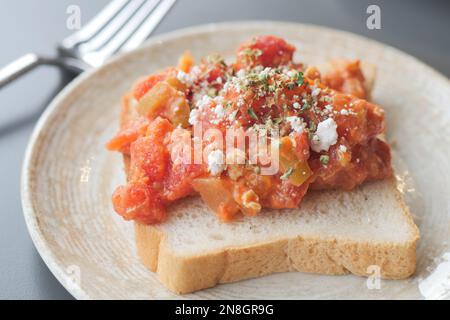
[{"x": 256, "y": 133}]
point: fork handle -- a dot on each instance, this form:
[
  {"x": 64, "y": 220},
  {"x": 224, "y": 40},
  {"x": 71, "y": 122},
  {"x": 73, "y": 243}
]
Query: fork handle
[
  {"x": 30, "y": 61},
  {"x": 19, "y": 67}
]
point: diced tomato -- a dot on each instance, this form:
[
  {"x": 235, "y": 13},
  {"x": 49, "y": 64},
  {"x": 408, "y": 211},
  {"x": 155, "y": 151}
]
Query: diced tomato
[
  {"x": 267, "y": 51},
  {"x": 149, "y": 157},
  {"x": 143, "y": 86},
  {"x": 285, "y": 195},
  {"x": 346, "y": 76},
  {"x": 368, "y": 162},
  {"x": 149, "y": 154},
  {"x": 301, "y": 146},
  {"x": 215, "y": 73},
  {"x": 122, "y": 141},
  {"x": 217, "y": 194},
  {"x": 165, "y": 101},
  {"x": 178, "y": 182},
  {"x": 138, "y": 201},
  {"x": 212, "y": 70},
  {"x": 289, "y": 98},
  {"x": 186, "y": 62}
]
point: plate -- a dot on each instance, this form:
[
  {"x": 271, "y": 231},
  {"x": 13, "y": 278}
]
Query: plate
[{"x": 68, "y": 176}]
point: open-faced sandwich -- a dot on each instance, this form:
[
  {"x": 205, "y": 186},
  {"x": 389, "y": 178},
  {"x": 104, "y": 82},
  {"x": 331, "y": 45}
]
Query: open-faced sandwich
[{"x": 259, "y": 166}]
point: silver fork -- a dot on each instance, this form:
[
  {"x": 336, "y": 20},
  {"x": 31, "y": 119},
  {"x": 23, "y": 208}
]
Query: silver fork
[{"x": 121, "y": 26}]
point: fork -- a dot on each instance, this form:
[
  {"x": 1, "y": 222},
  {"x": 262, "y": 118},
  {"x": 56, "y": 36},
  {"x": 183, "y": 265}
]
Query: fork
[{"x": 121, "y": 26}]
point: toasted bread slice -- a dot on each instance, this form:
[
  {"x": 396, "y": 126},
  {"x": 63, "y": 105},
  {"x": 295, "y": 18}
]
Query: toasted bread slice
[{"x": 332, "y": 232}]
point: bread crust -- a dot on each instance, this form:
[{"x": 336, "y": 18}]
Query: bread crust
[{"x": 306, "y": 254}]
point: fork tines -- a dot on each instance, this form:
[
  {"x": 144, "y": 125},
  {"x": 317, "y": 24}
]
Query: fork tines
[{"x": 121, "y": 26}]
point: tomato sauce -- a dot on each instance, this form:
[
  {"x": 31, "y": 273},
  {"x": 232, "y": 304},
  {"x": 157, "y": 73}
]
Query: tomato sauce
[{"x": 329, "y": 135}]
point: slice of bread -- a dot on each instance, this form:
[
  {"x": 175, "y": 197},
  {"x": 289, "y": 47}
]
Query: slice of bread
[{"x": 333, "y": 232}]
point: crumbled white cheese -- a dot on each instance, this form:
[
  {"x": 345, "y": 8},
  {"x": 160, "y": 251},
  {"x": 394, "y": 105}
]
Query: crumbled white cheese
[
  {"x": 315, "y": 91},
  {"x": 325, "y": 136},
  {"x": 240, "y": 73},
  {"x": 342, "y": 148},
  {"x": 219, "y": 111},
  {"x": 218, "y": 99},
  {"x": 344, "y": 112},
  {"x": 297, "y": 124},
  {"x": 204, "y": 102},
  {"x": 195, "y": 71},
  {"x": 194, "y": 117},
  {"x": 240, "y": 102},
  {"x": 232, "y": 115},
  {"x": 216, "y": 162},
  {"x": 184, "y": 77},
  {"x": 296, "y": 105},
  {"x": 266, "y": 72},
  {"x": 259, "y": 68},
  {"x": 291, "y": 73}
]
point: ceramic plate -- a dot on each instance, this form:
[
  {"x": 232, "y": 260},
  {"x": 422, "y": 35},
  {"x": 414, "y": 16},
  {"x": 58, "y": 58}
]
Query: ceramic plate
[{"x": 68, "y": 176}]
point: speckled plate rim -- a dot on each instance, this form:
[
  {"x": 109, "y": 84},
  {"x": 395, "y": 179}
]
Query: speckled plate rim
[{"x": 26, "y": 195}]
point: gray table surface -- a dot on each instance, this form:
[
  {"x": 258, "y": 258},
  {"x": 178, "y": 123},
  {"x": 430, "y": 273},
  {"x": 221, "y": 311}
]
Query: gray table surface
[{"x": 421, "y": 28}]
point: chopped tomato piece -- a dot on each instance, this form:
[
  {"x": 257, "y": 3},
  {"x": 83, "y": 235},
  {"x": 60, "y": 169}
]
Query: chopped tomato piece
[
  {"x": 301, "y": 146},
  {"x": 178, "y": 182},
  {"x": 149, "y": 156},
  {"x": 143, "y": 86},
  {"x": 129, "y": 134},
  {"x": 328, "y": 135},
  {"x": 217, "y": 194},
  {"x": 163, "y": 100},
  {"x": 267, "y": 51},
  {"x": 186, "y": 62},
  {"x": 346, "y": 76},
  {"x": 139, "y": 202}
]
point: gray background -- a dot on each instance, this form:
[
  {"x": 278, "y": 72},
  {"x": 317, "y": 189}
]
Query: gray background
[{"x": 418, "y": 27}]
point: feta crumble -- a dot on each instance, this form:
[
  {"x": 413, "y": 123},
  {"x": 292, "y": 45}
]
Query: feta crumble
[
  {"x": 240, "y": 102},
  {"x": 216, "y": 162},
  {"x": 203, "y": 102},
  {"x": 291, "y": 73},
  {"x": 184, "y": 77},
  {"x": 315, "y": 92},
  {"x": 240, "y": 73},
  {"x": 194, "y": 117},
  {"x": 219, "y": 111},
  {"x": 296, "y": 123},
  {"x": 325, "y": 136},
  {"x": 195, "y": 71},
  {"x": 232, "y": 115}
]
